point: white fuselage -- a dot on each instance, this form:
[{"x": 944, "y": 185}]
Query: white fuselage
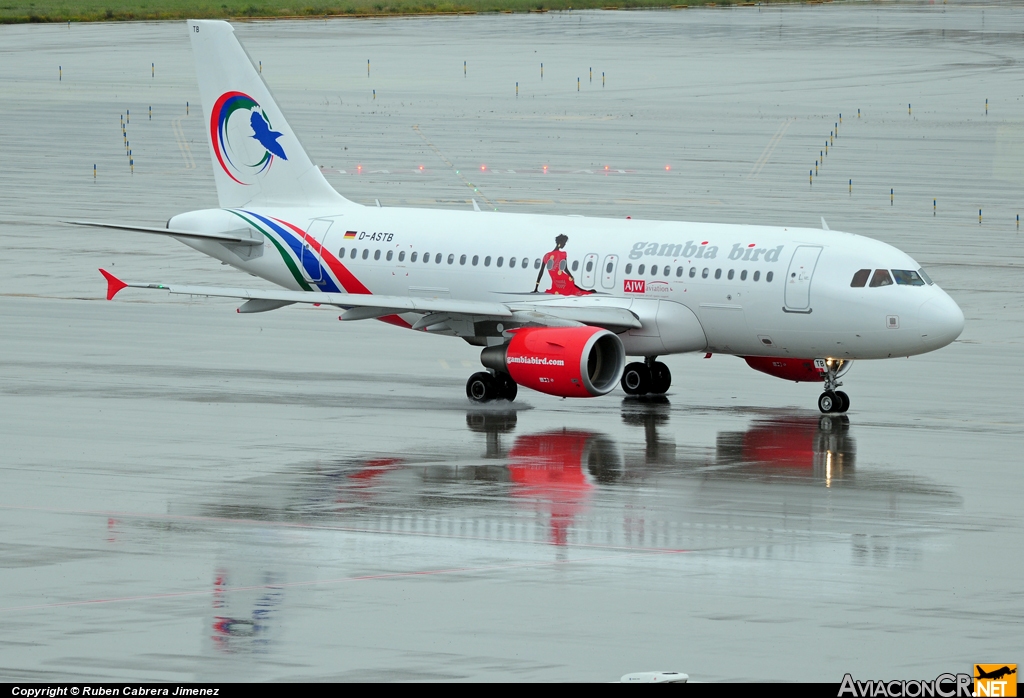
[{"x": 756, "y": 290}]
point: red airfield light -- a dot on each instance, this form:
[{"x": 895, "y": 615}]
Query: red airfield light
[
  {"x": 667, "y": 168},
  {"x": 483, "y": 168},
  {"x": 421, "y": 168}
]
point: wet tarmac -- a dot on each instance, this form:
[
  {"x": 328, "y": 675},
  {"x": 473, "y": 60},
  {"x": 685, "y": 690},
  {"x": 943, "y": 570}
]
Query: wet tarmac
[{"x": 191, "y": 494}]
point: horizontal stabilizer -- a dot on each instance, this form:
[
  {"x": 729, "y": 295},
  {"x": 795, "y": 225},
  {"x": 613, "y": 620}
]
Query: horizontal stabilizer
[{"x": 243, "y": 236}]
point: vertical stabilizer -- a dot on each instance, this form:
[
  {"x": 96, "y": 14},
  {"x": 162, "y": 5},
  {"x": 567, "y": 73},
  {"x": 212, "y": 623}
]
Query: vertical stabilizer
[{"x": 257, "y": 160}]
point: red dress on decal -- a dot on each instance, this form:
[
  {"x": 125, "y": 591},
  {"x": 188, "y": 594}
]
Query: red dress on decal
[{"x": 556, "y": 262}]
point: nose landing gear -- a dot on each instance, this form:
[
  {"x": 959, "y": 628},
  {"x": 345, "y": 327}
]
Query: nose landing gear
[
  {"x": 834, "y": 401},
  {"x": 649, "y": 377}
]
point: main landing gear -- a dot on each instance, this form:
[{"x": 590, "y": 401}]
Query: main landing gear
[
  {"x": 834, "y": 401},
  {"x": 648, "y": 378},
  {"x": 487, "y": 387}
]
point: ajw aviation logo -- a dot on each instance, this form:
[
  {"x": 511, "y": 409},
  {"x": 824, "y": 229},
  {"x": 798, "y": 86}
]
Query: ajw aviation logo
[{"x": 243, "y": 139}]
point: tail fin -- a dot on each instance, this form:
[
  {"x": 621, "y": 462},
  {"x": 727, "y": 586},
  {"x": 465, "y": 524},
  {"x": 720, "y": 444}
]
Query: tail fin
[{"x": 257, "y": 159}]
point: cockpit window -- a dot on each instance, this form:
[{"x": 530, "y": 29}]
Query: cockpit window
[
  {"x": 881, "y": 278},
  {"x": 860, "y": 279},
  {"x": 906, "y": 277},
  {"x": 924, "y": 276}
]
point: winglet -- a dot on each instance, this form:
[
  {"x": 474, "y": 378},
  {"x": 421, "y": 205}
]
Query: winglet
[{"x": 114, "y": 284}]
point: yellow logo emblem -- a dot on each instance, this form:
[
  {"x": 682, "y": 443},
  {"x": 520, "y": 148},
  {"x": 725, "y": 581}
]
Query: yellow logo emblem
[{"x": 995, "y": 680}]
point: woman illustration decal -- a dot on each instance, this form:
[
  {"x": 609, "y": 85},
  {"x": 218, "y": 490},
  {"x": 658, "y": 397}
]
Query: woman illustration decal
[{"x": 555, "y": 262}]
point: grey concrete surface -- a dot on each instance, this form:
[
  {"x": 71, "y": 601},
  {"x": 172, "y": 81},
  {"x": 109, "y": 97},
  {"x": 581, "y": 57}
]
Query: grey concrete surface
[{"x": 186, "y": 493}]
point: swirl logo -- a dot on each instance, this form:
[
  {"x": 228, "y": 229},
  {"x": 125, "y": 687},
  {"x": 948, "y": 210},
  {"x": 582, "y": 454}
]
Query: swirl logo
[{"x": 255, "y": 142}]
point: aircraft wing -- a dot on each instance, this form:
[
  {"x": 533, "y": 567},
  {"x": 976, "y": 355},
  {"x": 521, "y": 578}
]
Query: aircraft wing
[{"x": 437, "y": 311}]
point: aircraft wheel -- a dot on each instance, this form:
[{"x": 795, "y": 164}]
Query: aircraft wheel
[
  {"x": 481, "y": 387},
  {"x": 507, "y": 388},
  {"x": 844, "y": 401},
  {"x": 636, "y": 379},
  {"x": 828, "y": 402},
  {"x": 661, "y": 378}
]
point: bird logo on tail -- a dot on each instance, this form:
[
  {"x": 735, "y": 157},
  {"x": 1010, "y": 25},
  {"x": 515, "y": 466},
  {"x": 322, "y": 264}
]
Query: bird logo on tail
[{"x": 248, "y": 154}]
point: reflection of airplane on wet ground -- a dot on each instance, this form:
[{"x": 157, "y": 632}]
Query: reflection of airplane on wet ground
[
  {"x": 738, "y": 496},
  {"x": 797, "y": 304},
  {"x": 574, "y": 486}
]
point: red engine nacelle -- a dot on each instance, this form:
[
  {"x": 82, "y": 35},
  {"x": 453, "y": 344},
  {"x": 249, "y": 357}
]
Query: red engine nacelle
[
  {"x": 567, "y": 362},
  {"x": 799, "y": 370}
]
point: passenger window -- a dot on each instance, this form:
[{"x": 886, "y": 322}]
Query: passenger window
[
  {"x": 860, "y": 279},
  {"x": 366, "y": 253},
  {"x": 590, "y": 266},
  {"x": 757, "y": 276},
  {"x": 376, "y": 255},
  {"x": 608, "y": 268},
  {"x": 413, "y": 258},
  {"x": 924, "y": 276},
  {"x": 906, "y": 277},
  {"x": 501, "y": 260},
  {"x": 718, "y": 273},
  {"x": 731, "y": 273},
  {"x": 451, "y": 259},
  {"x": 881, "y": 278},
  {"x": 743, "y": 275},
  {"x": 654, "y": 270},
  {"x": 679, "y": 271},
  {"x": 354, "y": 253},
  {"x": 390, "y": 255},
  {"x": 629, "y": 269},
  {"x": 526, "y": 262},
  {"x": 476, "y": 259},
  {"x": 704, "y": 274},
  {"x": 462, "y": 260},
  {"x": 551, "y": 264},
  {"x": 536, "y": 263},
  {"x": 667, "y": 271},
  {"x": 768, "y": 277},
  {"x": 426, "y": 257},
  {"x": 437, "y": 258},
  {"x": 640, "y": 269},
  {"x": 341, "y": 253},
  {"x": 511, "y": 262},
  {"x": 693, "y": 272},
  {"x": 576, "y": 265},
  {"x": 401, "y": 256},
  {"x": 487, "y": 261}
]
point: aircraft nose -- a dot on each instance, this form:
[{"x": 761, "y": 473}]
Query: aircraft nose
[{"x": 942, "y": 321}]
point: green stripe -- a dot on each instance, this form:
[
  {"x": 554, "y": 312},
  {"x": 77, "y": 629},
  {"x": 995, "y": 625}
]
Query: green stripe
[{"x": 284, "y": 253}]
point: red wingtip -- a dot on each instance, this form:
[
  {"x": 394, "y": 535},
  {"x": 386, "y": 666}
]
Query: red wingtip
[{"x": 114, "y": 284}]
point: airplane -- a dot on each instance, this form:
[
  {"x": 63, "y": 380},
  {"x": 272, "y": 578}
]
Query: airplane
[{"x": 556, "y": 303}]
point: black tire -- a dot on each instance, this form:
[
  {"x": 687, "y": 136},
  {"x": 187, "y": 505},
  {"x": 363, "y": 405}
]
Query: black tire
[
  {"x": 661, "y": 378},
  {"x": 481, "y": 387},
  {"x": 844, "y": 401},
  {"x": 828, "y": 402},
  {"x": 636, "y": 379},
  {"x": 507, "y": 388}
]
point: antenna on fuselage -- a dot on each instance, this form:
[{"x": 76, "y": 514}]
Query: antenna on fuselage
[{"x": 824, "y": 225}]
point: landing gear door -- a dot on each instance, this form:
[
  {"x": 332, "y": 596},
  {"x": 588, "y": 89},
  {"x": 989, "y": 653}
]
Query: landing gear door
[
  {"x": 798, "y": 279},
  {"x": 590, "y": 271},
  {"x": 312, "y": 270},
  {"x": 608, "y": 267}
]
